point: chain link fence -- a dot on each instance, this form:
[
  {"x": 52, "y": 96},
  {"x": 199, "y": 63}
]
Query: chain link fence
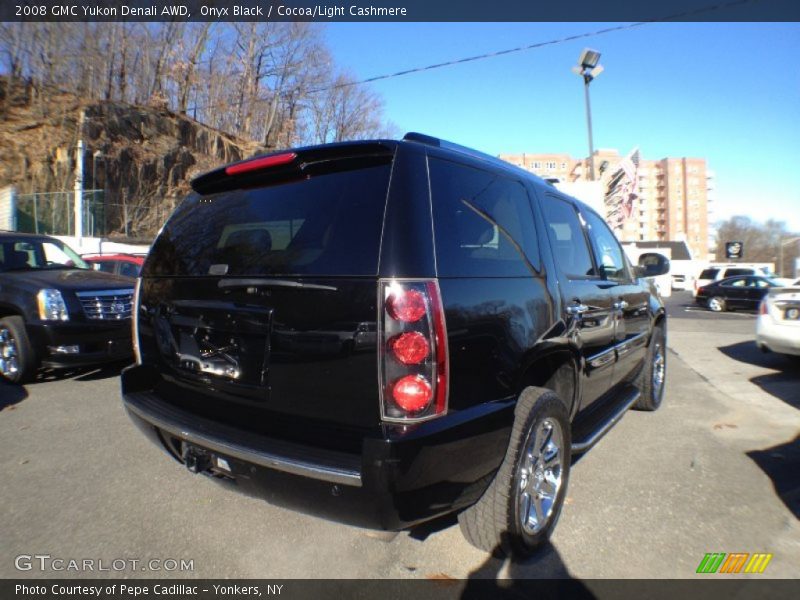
[{"x": 52, "y": 213}]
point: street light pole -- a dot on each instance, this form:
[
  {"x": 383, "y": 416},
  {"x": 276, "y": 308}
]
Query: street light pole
[
  {"x": 588, "y": 67},
  {"x": 587, "y": 80}
]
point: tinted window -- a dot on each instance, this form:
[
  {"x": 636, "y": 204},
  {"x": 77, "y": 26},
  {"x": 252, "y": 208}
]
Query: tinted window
[
  {"x": 709, "y": 274},
  {"x": 35, "y": 253},
  {"x": 763, "y": 283},
  {"x": 734, "y": 272},
  {"x": 127, "y": 269},
  {"x": 736, "y": 283},
  {"x": 107, "y": 266},
  {"x": 607, "y": 251},
  {"x": 483, "y": 223},
  {"x": 567, "y": 239},
  {"x": 328, "y": 224}
]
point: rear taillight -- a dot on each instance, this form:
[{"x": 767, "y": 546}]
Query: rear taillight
[
  {"x": 762, "y": 308},
  {"x": 135, "y": 320},
  {"x": 413, "y": 350}
]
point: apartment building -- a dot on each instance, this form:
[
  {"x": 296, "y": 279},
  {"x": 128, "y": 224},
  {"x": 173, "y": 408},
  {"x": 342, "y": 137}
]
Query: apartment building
[{"x": 673, "y": 202}]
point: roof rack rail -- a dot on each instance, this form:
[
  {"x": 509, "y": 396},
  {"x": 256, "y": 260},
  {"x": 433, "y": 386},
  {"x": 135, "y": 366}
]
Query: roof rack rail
[{"x": 429, "y": 140}]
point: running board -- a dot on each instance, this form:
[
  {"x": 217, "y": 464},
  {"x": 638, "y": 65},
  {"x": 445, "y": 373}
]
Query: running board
[{"x": 607, "y": 424}]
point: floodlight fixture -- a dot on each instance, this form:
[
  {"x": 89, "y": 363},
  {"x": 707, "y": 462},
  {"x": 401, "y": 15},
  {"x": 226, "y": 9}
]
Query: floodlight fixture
[{"x": 589, "y": 58}]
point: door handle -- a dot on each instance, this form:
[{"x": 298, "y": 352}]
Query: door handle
[
  {"x": 577, "y": 308},
  {"x": 620, "y": 305}
]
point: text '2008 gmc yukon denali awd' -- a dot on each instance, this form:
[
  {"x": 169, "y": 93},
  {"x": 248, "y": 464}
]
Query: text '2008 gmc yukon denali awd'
[{"x": 385, "y": 332}]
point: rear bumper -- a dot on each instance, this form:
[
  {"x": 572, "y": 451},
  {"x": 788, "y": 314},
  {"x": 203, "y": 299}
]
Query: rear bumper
[
  {"x": 783, "y": 339},
  {"x": 398, "y": 480},
  {"x": 97, "y": 342}
]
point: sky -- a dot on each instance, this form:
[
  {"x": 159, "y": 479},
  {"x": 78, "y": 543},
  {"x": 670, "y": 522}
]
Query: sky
[{"x": 726, "y": 92}]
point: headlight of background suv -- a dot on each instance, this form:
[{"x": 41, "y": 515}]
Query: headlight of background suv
[{"x": 52, "y": 306}]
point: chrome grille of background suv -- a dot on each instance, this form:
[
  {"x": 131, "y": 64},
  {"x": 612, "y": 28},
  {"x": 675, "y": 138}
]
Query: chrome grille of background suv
[{"x": 107, "y": 305}]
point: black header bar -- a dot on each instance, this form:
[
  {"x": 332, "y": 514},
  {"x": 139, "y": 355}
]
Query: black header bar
[{"x": 327, "y": 11}]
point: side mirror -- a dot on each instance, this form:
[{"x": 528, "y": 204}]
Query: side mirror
[{"x": 652, "y": 264}]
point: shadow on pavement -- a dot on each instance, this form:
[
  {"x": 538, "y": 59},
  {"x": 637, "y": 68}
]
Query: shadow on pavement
[
  {"x": 423, "y": 531},
  {"x": 92, "y": 373},
  {"x": 11, "y": 394},
  {"x": 543, "y": 575},
  {"x": 782, "y": 465},
  {"x": 784, "y": 384}
]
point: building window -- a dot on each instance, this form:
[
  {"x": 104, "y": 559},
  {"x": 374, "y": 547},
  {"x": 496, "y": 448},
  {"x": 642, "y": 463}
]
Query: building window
[
  {"x": 563, "y": 165},
  {"x": 551, "y": 165},
  {"x": 537, "y": 165}
]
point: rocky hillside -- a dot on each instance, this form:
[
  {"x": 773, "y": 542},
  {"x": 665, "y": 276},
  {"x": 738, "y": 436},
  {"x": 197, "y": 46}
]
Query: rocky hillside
[{"x": 144, "y": 156}]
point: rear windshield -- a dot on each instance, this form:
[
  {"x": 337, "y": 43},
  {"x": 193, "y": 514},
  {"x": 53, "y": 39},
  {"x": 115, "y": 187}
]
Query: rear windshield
[
  {"x": 326, "y": 225},
  {"x": 708, "y": 274}
]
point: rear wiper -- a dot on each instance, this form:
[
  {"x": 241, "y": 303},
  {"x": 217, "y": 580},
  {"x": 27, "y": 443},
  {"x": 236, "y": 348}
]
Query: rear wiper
[{"x": 265, "y": 282}]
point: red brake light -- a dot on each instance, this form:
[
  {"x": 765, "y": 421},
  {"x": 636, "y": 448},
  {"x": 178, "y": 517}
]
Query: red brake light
[
  {"x": 762, "y": 309},
  {"x": 412, "y": 393},
  {"x": 260, "y": 163},
  {"x": 410, "y": 348},
  {"x": 413, "y": 366},
  {"x": 406, "y": 305}
]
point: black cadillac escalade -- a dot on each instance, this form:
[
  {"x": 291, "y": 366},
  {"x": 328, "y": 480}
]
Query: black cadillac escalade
[
  {"x": 385, "y": 332},
  {"x": 55, "y": 311}
]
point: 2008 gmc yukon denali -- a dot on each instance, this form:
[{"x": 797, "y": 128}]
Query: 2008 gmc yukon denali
[{"x": 385, "y": 332}]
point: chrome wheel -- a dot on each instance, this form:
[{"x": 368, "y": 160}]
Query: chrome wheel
[
  {"x": 659, "y": 370},
  {"x": 716, "y": 304},
  {"x": 540, "y": 475},
  {"x": 9, "y": 357}
]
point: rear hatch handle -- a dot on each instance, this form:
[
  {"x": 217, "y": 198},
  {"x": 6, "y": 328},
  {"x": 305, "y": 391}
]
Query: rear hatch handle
[{"x": 264, "y": 282}]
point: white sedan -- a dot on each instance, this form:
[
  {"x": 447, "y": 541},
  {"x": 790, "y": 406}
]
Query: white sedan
[{"x": 778, "y": 325}]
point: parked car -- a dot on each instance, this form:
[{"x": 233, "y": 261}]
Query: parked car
[
  {"x": 718, "y": 273},
  {"x": 679, "y": 282},
  {"x": 735, "y": 293},
  {"x": 510, "y": 331},
  {"x": 126, "y": 265},
  {"x": 778, "y": 325},
  {"x": 55, "y": 311}
]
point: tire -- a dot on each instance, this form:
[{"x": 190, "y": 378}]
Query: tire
[
  {"x": 716, "y": 304},
  {"x": 495, "y": 522},
  {"x": 18, "y": 362},
  {"x": 652, "y": 379}
]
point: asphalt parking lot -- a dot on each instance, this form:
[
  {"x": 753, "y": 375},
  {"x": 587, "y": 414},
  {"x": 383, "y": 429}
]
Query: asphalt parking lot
[{"x": 717, "y": 469}]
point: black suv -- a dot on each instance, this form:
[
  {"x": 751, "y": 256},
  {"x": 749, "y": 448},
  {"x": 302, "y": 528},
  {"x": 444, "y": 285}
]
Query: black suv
[
  {"x": 385, "y": 332},
  {"x": 55, "y": 311}
]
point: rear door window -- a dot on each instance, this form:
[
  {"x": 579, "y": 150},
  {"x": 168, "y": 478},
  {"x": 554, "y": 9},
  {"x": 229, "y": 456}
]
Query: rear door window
[
  {"x": 570, "y": 250},
  {"x": 328, "y": 224},
  {"x": 483, "y": 223},
  {"x": 734, "y": 272}
]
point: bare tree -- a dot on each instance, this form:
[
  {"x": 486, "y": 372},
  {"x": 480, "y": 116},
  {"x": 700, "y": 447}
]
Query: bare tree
[
  {"x": 187, "y": 67},
  {"x": 347, "y": 111}
]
